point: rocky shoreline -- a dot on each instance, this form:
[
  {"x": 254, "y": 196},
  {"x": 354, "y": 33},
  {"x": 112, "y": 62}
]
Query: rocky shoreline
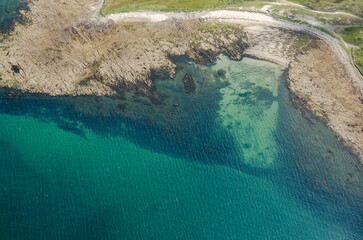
[{"x": 68, "y": 50}]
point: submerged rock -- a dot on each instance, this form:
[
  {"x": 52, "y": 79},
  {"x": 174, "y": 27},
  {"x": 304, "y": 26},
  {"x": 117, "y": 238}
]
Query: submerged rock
[
  {"x": 221, "y": 73},
  {"x": 189, "y": 84},
  {"x": 10, "y": 95}
]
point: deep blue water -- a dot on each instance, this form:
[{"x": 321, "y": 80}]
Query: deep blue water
[{"x": 237, "y": 159}]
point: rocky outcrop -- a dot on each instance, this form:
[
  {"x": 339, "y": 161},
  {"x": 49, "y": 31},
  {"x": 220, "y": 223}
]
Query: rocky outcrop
[
  {"x": 214, "y": 39},
  {"x": 319, "y": 80}
]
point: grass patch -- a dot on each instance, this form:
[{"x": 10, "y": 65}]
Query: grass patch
[
  {"x": 358, "y": 57},
  {"x": 326, "y": 31},
  {"x": 322, "y": 17},
  {"x": 112, "y": 6},
  {"x": 354, "y": 36},
  {"x": 352, "y": 6}
]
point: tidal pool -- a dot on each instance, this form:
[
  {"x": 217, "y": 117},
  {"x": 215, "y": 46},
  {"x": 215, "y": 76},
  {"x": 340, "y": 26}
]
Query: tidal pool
[{"x": 233, "y": 160}]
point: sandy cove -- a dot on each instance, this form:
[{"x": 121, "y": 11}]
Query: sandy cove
[{"x": 84, "y": 54}]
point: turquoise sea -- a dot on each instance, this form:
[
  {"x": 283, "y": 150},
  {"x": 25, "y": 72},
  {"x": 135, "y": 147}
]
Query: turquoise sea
[{"x": 237, "y": 159}]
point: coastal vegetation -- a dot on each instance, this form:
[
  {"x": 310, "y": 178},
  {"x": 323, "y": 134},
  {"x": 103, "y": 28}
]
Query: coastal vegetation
[
  {"x": 352, "y": 6},
  {"x": 354, "y": 36},
  {"x": 332, "y": 18},
  {"x": 112, "y": 6}
]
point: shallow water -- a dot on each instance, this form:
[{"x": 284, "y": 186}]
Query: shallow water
[
  {"x": 234, "y": 160},
  {"x": 9, "y": 13}
]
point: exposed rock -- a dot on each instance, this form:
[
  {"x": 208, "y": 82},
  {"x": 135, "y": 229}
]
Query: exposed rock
[
  {"x": 162, "y": 73},
  {"x": 319, "y": 79},
  {"x": 213, "y": 39},
  {"x": 15, "y": 68}
]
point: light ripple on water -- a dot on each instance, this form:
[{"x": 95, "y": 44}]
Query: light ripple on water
[{"x": 235, "y": 160}]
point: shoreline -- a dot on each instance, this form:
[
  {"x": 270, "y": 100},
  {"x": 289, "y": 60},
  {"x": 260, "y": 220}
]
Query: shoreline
[
  {"x": 87, "y": 54},
  {"x": 242, "y": 17}
]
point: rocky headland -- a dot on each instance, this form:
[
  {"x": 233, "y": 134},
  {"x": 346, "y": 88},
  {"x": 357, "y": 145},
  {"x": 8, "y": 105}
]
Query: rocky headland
[{"x": 67, "y": 49}]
